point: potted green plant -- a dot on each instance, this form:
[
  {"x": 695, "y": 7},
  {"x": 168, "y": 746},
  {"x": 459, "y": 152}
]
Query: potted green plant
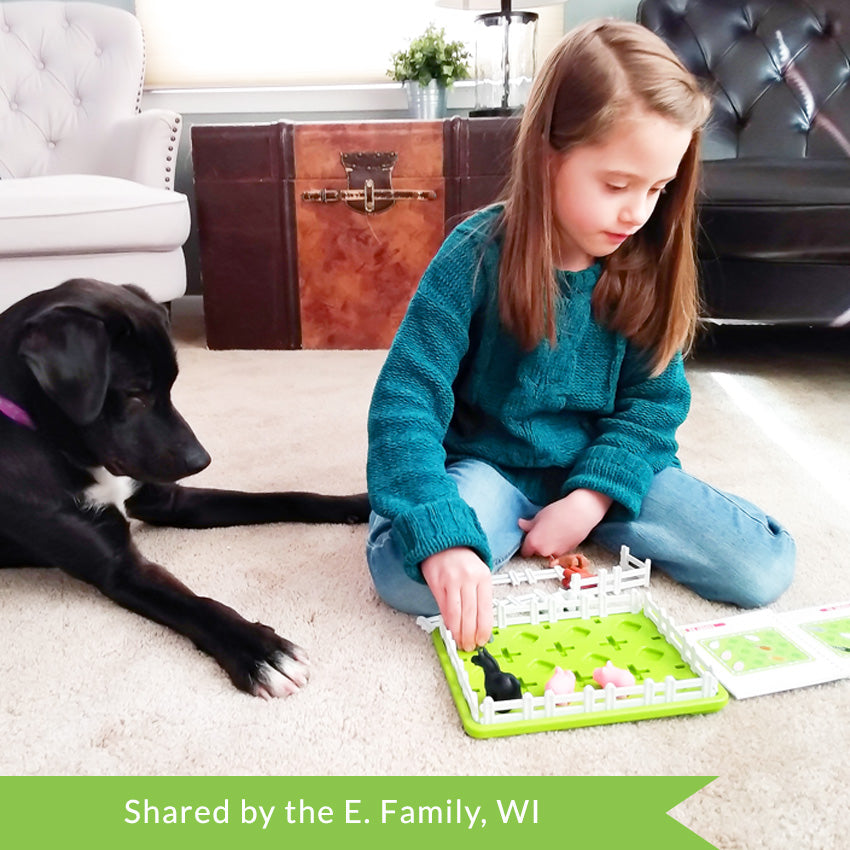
[{"x": 427, "y": 68}]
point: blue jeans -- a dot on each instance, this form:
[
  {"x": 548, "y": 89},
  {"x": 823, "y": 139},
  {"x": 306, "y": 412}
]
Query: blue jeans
[{"x": 720, "y": 546}]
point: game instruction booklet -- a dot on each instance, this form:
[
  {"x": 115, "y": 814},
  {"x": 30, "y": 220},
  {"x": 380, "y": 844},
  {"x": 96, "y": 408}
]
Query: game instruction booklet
[{"x": 763, "y": 652}]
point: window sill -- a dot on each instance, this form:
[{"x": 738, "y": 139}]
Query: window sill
[{"x": 300, "y": 99}]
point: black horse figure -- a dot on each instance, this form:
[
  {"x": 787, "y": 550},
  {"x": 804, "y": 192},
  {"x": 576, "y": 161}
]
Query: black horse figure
[{"x": 497, "y": 684}]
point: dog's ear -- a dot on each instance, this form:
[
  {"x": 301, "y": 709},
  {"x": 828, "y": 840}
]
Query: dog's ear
[
  {"x": 149, "y": 302},
  {"x": 67, "y": 350}
]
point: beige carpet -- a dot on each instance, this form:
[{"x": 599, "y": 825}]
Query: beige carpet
[{"x": 87, "y": 688}]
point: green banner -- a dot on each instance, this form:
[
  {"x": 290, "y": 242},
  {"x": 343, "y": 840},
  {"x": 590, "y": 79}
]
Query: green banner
[{"x": 374, "y": 812}]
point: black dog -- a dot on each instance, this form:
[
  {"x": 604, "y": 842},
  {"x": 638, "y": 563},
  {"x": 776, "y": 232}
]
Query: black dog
[{"x": 88, "y": 437}]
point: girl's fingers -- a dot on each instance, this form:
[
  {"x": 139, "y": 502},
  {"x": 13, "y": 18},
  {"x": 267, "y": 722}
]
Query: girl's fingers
[
  {"x": 451, "y": 608},
  {"x": 469, "y": 616},
  {"x": 484, "y": 627}
]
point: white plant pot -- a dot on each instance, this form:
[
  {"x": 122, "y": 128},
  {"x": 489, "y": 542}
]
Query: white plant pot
[{"x": 427, "y": 102}]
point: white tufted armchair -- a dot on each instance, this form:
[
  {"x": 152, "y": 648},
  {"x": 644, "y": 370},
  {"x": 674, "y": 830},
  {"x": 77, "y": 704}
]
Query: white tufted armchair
[{"x": 86, "y": 178}]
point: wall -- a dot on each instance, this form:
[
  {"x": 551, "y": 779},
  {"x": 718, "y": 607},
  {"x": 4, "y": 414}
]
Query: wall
[{"x": 577, "y": 11}]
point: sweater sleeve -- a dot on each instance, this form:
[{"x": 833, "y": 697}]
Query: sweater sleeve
[
  {"x": 638, "y": 439},
  {"x": 412, "y": 406}
]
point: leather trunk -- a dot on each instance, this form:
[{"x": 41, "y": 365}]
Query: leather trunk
[
  {"x": 358, "y": 270},
  {"x": 298, "y": 251}
]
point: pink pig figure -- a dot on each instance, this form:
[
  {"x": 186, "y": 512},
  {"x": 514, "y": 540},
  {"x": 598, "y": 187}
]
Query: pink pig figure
[
  {"x": 609, "y": 673},
  {"x": 561, "y": 682}
]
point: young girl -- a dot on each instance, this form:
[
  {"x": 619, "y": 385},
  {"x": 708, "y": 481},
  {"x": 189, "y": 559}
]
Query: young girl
[{"x": 531, "y": 397}]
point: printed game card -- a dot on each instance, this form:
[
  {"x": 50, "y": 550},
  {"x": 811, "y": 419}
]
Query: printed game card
[
  {"x": 762, "y": 652},
  {"x": 829, "y": 625}
]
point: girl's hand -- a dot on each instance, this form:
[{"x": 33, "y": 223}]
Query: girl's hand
[
  {"x": 562, "y": 526},
  {"x": 461, "y": 584}
]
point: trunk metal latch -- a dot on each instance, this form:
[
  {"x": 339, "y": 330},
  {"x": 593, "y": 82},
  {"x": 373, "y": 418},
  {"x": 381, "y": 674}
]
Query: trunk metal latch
[{"x": 370, "y": 187}]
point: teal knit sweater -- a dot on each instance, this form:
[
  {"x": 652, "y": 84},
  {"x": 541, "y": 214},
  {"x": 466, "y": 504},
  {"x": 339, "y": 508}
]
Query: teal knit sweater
[{"x": 580, "y": 414}]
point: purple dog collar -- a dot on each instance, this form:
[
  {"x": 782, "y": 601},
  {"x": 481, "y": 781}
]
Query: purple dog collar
[{"x": 17, "y": 414}]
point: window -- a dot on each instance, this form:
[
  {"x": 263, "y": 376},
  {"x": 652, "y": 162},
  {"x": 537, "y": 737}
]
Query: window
[{"x": 208, "y": 43}]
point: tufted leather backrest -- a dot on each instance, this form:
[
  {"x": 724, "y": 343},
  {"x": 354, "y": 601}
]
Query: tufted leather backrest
[
  {"x": 778, "y": 71},
  {"x": 67, "y": 71}
]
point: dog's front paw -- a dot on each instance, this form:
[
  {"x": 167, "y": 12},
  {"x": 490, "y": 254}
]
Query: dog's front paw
[
  {"x": 282, "y": 674},
  {"x": 259, "y": 661}
]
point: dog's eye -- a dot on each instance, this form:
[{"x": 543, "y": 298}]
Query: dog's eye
[{"x": 136, "y": 400}]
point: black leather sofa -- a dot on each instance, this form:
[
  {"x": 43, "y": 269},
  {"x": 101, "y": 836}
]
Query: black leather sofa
[{"x": 775, "y": 208}]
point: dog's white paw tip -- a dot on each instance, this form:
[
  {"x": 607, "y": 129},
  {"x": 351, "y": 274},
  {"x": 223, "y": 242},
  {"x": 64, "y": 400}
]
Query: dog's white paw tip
[
  {"x": 299, "y": 655},
  {"x": 284, "y": 679},
  {"x": 294, "y": 668},
  {"x": 272, "y": 683}
]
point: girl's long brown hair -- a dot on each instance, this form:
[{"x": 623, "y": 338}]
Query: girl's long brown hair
[{"x": 599, "y": 73}]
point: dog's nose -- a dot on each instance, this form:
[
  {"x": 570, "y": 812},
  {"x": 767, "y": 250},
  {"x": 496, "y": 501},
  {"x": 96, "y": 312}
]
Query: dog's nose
[
  {"x": 188, "y": 453},
  {"x": 196, "y": 459}
]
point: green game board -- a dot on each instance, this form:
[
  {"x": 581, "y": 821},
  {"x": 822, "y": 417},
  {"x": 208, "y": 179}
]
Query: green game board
[{"x": 531, "y": 652}]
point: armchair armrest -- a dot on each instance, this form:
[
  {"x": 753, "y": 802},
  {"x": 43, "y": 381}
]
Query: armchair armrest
[{"x": 143, "y": 148}]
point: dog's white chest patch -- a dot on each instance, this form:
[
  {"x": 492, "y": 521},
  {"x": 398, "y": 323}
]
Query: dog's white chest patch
[{"x": 107, "y": 490}]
